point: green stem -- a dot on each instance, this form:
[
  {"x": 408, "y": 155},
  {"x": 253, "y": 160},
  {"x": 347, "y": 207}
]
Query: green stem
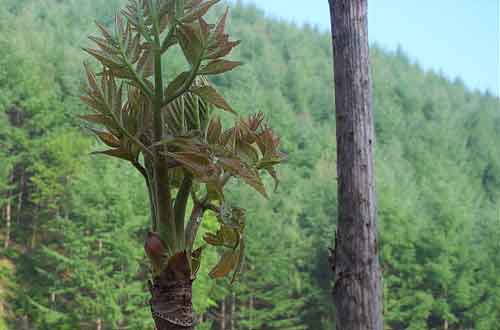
[
  {"x": 180, "y": 206},
  {"x": 187, "y": 84},
  {"x": 166, "y": 221}
]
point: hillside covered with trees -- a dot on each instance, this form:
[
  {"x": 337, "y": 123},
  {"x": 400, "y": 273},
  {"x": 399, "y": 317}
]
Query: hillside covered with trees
[{"x": 73, "y": 224}]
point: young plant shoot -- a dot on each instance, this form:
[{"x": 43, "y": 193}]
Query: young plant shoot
[{"x": 165, "y": 125}]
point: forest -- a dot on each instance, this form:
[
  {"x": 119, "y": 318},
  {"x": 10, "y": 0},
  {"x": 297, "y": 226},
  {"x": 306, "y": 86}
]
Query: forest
[{"x": 72, "y": 224}]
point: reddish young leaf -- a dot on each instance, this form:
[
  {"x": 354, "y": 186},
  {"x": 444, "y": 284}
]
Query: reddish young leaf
[
  {"x": 198, "y": 11},
  {"x": 190, "y": 43},
  {"x": 117, "y": 153},
  {"x": 176, "y": 84},
  {"x": 219, "y": 66},
  {"x": 210, "y": 95}
]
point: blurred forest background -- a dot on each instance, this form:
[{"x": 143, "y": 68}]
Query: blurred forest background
[{"x": 73, "y": 225}]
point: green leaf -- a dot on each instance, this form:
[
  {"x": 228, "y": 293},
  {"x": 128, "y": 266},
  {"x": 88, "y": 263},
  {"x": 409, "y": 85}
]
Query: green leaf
[
  {"x": 210, "y": 95},
  {"x": 218, "y": 67}
]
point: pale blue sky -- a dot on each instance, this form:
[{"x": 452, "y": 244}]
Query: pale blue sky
[{"x": 457, "y": 37}]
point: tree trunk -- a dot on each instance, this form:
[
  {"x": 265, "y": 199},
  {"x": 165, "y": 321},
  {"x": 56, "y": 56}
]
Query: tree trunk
[
  {"x": 171, "y": 291},
  {"x": 357, "y": 291},
  {"x": 223, "y": 314},
  {"x": 8, "y": 220},
  {"x": 233, "y": 312}
]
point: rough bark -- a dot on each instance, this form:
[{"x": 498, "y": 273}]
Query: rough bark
[
  {"x": 357, "y": 291},
  {"x": 171, "y": 296}
]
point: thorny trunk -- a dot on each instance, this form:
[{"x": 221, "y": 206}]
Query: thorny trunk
[
  {"x": 357, "y": 291},
  {"x": 171, "y": 291}
]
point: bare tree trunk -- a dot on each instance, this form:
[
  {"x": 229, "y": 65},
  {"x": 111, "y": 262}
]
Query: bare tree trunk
[
  {"x": 250, "y": 310},
  {"x": 8, "y": 220},
  {"x": 99, "y": 324},
  {"x": 223, "y": 314},
  {"x": 233, "y": 311},
  {"x": 357, "y": 291}
]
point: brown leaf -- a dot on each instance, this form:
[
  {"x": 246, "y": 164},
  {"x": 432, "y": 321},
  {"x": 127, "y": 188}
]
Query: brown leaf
[
  {"x": 176, "y": 84},
  {"x": 109, "y": 139},
  {"x": 199, "y": 165},
  {"x": 117, "y": 153},
  {"x": 221, "y": 24},
  {"x": 145, "y": 65},
  {"x": 250, "y": 175},
  {"x": 219, "y": 66},
  {"x": 104, "y": 45},
  {"x": 93, "y": 103},
  {"x": 214, "y": 130},
  {"x": 190, "y": 43},
  {"x": 226, "y": 264},
  {"x": 99, "y": 119},
  {"x": 210, "y": 95},
  {"x": 198, "y": 11},
  {"x": 105, "y": 32},
  {"x": 222, "y": 50},
  {"x": 106, "y": 59}
]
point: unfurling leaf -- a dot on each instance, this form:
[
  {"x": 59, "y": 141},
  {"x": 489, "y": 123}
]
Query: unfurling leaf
[
  {"x": 145, "y": 65},
  {"x": 214, "y": 130},
  {"x": 218, "y": 67},
  {"x": 227, "y": 263},
  {"x": 210, "y": 95}
]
